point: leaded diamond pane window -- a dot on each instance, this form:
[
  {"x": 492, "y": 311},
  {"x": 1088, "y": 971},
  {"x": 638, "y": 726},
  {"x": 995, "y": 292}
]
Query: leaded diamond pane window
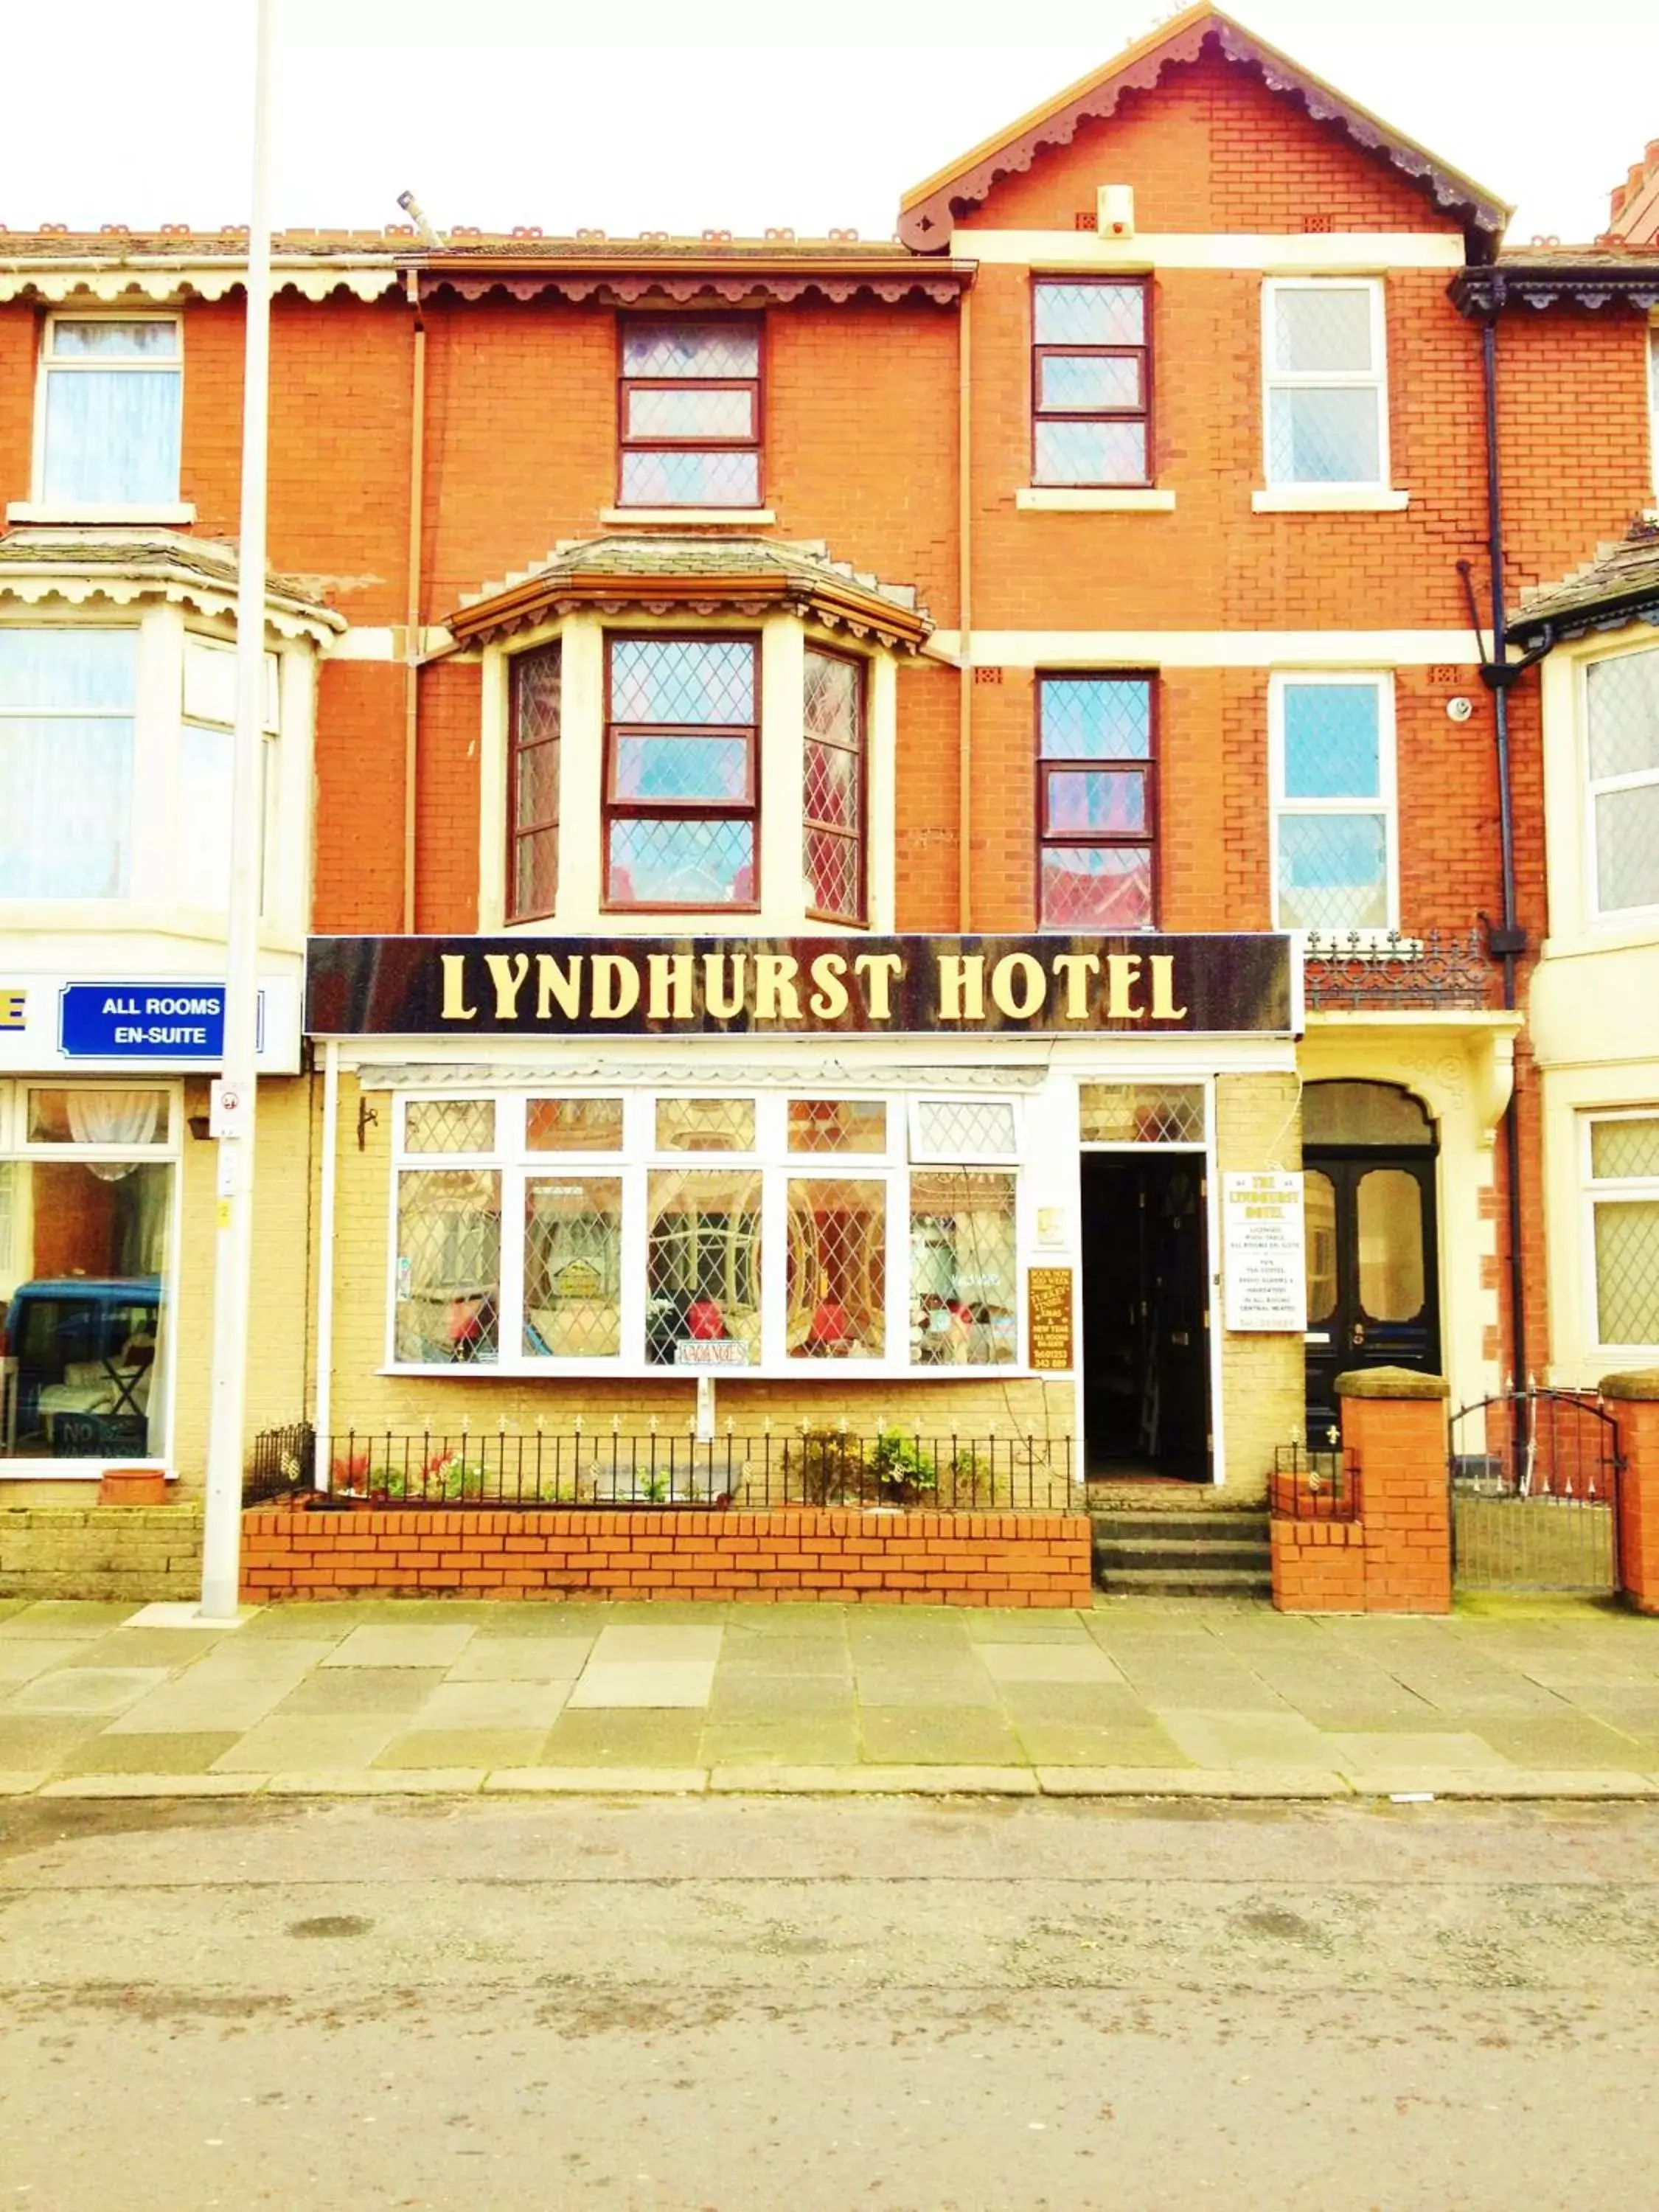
[
  {"x": 964, "y": 1269},
  {"x": 1622, "y": 699},
  {"x": 1627, "y": 1272},
  {"x": 1326, "y": 400},
  {"x": 703, "y": 1267},
  {"x": 681, "y": 826},
  {"x": 1096, "y": 803},
  {"x": 1625, "y": 1150},
  {"x": 691, "y": 413},
  {"x": 1141, "y": 1113},
  {"x": 1091, "y": 372},
  {"x": 837, "y": 1125},
  {"x": 573, "y": 1125},
  {"x": 836, "y": 1293},
  {"x": 572, "y": 1267},
  {"x": 533, "y": 784},
  {"x": 449, "y": 1125},
  {"x": 1333, "y": 803},
  {"x": 449, "y": 1269},
  {"x": 833, "y": 787},
  {"x": 962, "y": 1128},
  {"x": 705, "y": 1125}
]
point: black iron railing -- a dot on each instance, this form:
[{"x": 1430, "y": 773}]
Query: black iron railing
[
  {"x": 1535, "y": 1492},
  {"x": 890, "y": 1467},
  {"x": 1314, "y": 1485},
  {"x": 1359, "y": 970}
]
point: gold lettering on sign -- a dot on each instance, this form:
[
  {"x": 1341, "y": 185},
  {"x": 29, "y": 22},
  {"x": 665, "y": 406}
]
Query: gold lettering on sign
[
  {"x": 876, "y": 971},
  {"x": 560, "y": 986},
  {"x": 670, "y": 975},
  {"x": 616, "y": 987},
  {"x": 1049, "y": 1319},
  {"x": 961, "y": 987},
  {"x": 828, "y": 1000},
  {"x": 1164, "y": 1008},
  {"x": 507, "y": 972},
  {"x": 725, "y": 980},
  {"x": 776, "y": 998},
  {"x": 1123, "y": 974},
  {"x": 455, "y": 1008},
  {"x": 1018, "y": 985},
  {"x": 1074, "y": 970}
]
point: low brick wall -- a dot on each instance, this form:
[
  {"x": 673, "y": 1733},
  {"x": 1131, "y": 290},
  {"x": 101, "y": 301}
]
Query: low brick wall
[
  {"x": 137, "y": 1551},
  {"x": 1319, "y": 1566},
  {"x": 872, "y": 1558}
]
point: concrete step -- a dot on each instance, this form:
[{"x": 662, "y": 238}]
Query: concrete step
[
  {"x": 1113, "y": 1556},
  {"x": 1175, "y": 1555},
  {"x": 1189, "y": 1581},
  {"x": 1182, "y": 1528}
]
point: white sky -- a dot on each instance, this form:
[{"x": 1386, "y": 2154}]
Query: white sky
[{"x": 505, "y": 111}]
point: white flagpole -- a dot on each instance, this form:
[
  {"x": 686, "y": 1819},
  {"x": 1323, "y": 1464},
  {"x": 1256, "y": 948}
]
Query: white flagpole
[{"x": 233, "y": 1267}]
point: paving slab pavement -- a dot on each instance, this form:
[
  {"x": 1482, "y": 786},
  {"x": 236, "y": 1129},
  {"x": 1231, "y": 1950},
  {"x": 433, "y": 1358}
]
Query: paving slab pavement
[{"x": 1181, "y": 1697}]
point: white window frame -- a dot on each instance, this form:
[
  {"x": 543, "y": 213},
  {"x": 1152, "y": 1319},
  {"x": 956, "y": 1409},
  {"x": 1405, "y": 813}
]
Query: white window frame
[
  {"x": 1376, "y": 379},
  {"x": 1594, "y": 1191},
  {"x": 633, "y": 1165},
  {"x": 1604, "y": 786},
  {"x": 1387, "y": 803},
  {"x": 165, "y": 1151},
  {"x": 39, "y": 508},
  {"x": 269, "y": 758}
]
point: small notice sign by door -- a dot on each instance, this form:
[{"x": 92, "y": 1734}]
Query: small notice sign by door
[
  {"x": 1049, "y": 1318},
  {"x": 1263, "y": 1255}
]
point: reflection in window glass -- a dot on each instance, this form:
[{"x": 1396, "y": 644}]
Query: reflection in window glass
[
  {"x": 837, "y": 1125},
  {"x": 948, "y": 1129},
  {"x": 572, "y": 1267},
  {"x": 702, "y": 1267},
  {"x": 573, "y": 1125},
  {"x": 449, "y": 1125},
  {"x": 705, "y": 1125},
  {"x": 1319, "y": 1222},
  {"x": 449, "y": 1266},
  {"x": 964, "y": 1269},
  {"x": 837, "y": 1270},
  {"x": 1389, "y": 1209},
  {"x": 83, "y": 1294}
]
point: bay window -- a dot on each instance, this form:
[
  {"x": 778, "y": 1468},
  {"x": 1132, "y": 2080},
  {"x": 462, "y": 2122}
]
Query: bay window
[
  {"x": 68, "y": 708},
  {"x": 682, "y": 800},
  {"x": 742, "y": 1234},
  {"x": 1622, "y": 719},
  {"x": 532, "y": 784},
  {"x": 109, "y": 412},
  {"x": 833, "y": 799},
  {"x": 86, "y": 1209},
  {"x": 207, "y": 739}
]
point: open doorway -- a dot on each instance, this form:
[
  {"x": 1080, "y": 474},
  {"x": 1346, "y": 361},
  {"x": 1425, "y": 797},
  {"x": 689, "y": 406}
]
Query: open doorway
[{"x": 1145, "y": 1348}]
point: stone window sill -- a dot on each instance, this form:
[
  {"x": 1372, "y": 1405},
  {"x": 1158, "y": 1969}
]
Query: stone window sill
[
  {"x": 734, "y": 518},
  {"x": 58, "y": 511},
  {"x": 1069, "y": 499}
]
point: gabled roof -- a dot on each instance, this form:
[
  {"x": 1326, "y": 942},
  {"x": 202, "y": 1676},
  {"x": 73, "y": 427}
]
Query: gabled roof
[
  {"x": 928, "y": 210},
  {"x": 664, "y": 574},
  {"x": 1633, "y": 206},
  {"x": 1620, "y": 586},
  {"x": 124, "y": 566}
]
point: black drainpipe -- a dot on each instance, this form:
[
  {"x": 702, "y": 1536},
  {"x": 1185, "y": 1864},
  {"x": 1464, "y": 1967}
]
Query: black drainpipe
[{"x": 1508, "y": 940}]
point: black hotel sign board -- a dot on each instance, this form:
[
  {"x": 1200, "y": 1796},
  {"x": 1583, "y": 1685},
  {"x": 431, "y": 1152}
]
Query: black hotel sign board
[{"x": 480, "y": 986}]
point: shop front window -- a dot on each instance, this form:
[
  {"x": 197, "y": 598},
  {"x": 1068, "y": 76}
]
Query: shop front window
[
  {"x": 748, "y": 1233},
  {"x": 86, "y": 1200}
]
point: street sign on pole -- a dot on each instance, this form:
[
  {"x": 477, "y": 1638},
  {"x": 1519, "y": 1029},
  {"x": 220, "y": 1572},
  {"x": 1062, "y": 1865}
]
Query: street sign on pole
[{"x": 232, "y": 1254}]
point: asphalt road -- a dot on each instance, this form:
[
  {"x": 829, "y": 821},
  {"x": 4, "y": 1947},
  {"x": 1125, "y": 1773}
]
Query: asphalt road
[{"x": 673, "y": 2005}]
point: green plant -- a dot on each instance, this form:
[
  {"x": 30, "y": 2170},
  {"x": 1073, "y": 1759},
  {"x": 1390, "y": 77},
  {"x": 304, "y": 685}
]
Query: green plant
[{"x": 898, "y": 1463}]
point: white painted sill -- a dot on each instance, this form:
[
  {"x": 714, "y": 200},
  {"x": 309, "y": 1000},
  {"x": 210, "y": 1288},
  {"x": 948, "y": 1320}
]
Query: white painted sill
[
  {"x": 1329, "y": 499},
  {"x": 1061, "y": 499},
  {"x": 78, "y": 1470},
  {"x": 735, "y": 517},
  {"x": 28, "y": 510}
]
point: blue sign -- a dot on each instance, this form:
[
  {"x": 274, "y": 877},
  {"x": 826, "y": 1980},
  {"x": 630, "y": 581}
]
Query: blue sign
[{"x": 145, "y": 1021}]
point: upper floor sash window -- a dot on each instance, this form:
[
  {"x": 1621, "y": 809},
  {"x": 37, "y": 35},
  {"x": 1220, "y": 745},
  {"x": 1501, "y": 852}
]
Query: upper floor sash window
[
  {"x": 690, "y": 410},
  {"x": 110, "y": 389}
]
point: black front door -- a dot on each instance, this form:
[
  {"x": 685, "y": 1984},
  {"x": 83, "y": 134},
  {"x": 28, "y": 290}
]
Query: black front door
[
  {"x": 1373, "y": 1297},
  {"x": 1145, "y": 1341}
]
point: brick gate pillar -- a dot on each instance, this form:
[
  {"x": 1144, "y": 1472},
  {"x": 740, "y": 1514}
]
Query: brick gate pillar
[
  {"x": 1394, "y": 1427},
  {"x": 1634, "y": 1399}
]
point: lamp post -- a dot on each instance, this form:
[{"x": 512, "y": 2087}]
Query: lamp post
[{"x": 233, "y": 1256}]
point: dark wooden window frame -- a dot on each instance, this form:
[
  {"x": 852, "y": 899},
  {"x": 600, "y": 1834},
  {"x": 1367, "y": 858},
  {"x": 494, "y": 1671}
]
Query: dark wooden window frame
[
  {"x": 722, "y": 809},
  {"x": 755, "y": 386},
  {"x": 519, "y": 830},
  {"x": 860, "y": 749},
  {"x": 1142, "y": 353},
  {"x": 1147, "y": 769}
]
